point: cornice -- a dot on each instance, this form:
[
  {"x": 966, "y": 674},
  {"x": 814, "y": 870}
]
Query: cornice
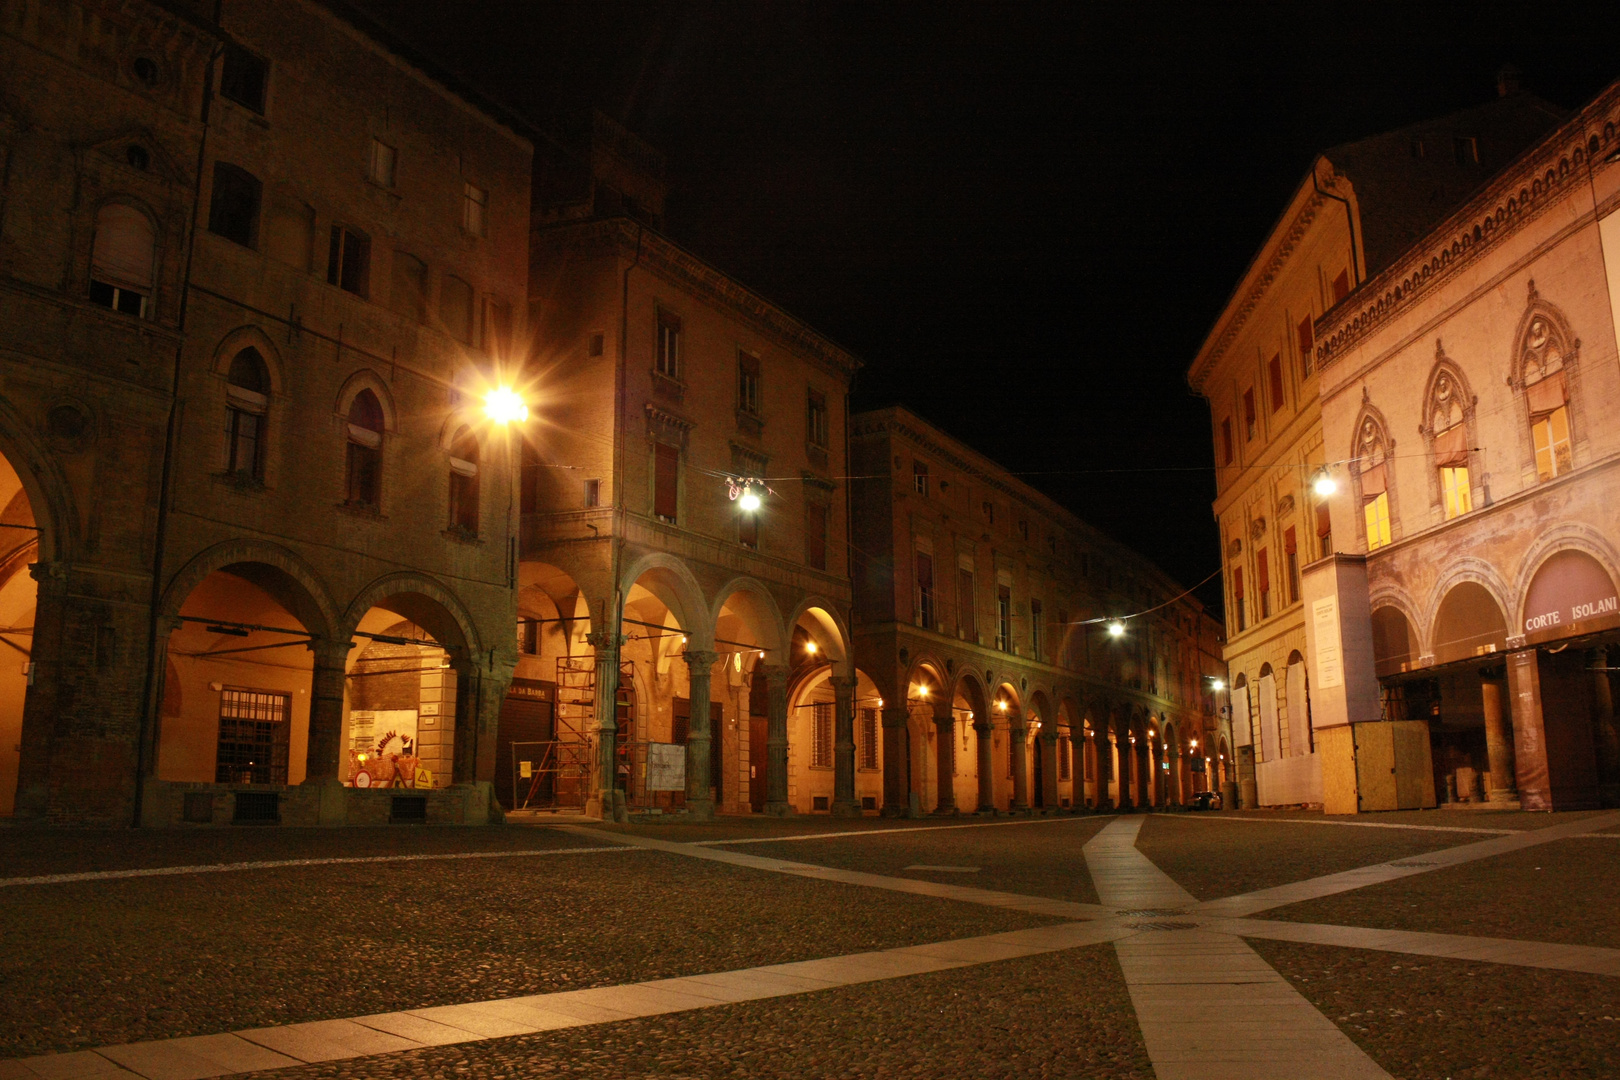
[
  {"x": 1258, "y": 278},
  {"x": 657, "y": 251},
  {"x": 1537, "y": 181}
]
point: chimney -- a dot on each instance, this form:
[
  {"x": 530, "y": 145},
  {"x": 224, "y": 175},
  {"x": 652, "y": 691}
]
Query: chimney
[{"x": 1507, "y": 80}]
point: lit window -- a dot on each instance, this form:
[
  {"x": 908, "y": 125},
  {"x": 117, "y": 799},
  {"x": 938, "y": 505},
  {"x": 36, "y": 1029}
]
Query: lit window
[
  {"x": 1551, "y": 436},
  {"x": 364, "y": 465},
  {"x": 1376, "y": 511},
  {"x": 668, "y": 360},
  {"x": 474, "y": 208},
  {"x": 1546, "y": 391},
  {"x": 1454, "y": 486},
  {"x": 121, "y": 259}
]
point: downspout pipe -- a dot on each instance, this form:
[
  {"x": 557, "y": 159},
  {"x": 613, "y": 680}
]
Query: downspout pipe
[
  {"x": 1349, "y": 220},
  {"x": 145, "y": 737}
]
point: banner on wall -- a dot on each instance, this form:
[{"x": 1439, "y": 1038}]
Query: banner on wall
[
  {"x": 1270, "y": 741},
  {"x": 1242, "y": 734}
]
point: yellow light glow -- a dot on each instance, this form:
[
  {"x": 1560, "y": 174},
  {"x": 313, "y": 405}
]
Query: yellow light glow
[
  {"x": 880, "y": 703},
  {"x": 749, "y": 501},
  {"x": 1218, "y": 684},
  {"x": 1116, "y": 629},
  {"x": 810, "y": 647},
  {"x": 1324, "y": 485},
  {"x": 1195, "y": 744},
  {"x": 922, "y": 691},
  {"x": 1002, "y": 705},
  {"x": 505, "y": 406}
]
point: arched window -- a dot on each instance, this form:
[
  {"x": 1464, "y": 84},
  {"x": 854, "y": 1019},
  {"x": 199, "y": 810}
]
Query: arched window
[
  {"x": 234, "y": 210},
  {"x": 247, "y": 399},
  {"x": 121, "y": 259},
  {"x": 456, "y": 308},
  {"x": 408, "y": 293},
  {"x": 1546, "y": 391},
  {"x": 1372, "y": 465},
  {"x": 464, "y": 483},
  {"x": 365, "y": 451},
  {"x": 1449, "y": 430}
]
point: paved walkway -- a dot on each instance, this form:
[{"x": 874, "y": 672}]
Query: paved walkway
[{"x": 1209, "y": 1007}]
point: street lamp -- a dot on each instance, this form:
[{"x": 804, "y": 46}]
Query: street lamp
[
  {"x": 1324, "y": 484},
  {"x": 505, "y": 406},
  {"x": 1116, "y": 629}
]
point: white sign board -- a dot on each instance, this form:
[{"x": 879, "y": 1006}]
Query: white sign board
[
  {"x": 666, "y": 767},
  {"x": 1329, "y": 658},
  {"x": 1242, "y": 733}
]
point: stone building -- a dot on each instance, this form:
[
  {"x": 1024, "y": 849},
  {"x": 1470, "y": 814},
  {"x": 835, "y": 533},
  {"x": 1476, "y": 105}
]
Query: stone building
[
  {"x": 694, "y": 651},
  {"x": 1463, "y": 391},
  {"x": 261, "y": 268},
  {"x": 1359, "y": 206},
  {"x": 983, "y": 615}
]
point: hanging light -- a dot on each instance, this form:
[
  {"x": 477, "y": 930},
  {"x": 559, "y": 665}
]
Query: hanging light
[
  {"x": 1324, "y": 484},
  {"x": 1116, "y": 629},
  {"x": 505, "y": 405},
  {"x": 749, "y": 499},
  {"x": 1218, "y": 685},
  {"x": 810, "y": 647},
  {"x": 922, "y": 691}
]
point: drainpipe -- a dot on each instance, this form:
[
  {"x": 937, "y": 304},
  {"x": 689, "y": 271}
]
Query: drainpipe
[
  {"x": 1349, "y": 220},
  {"x": 147, "y": 730}
]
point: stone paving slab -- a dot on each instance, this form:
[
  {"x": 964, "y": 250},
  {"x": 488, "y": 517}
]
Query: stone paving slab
[
  {"x": 418, "y": 1029},
  {"x": 79, "y": 1065},
  {"x": 1585, "y": 958}
]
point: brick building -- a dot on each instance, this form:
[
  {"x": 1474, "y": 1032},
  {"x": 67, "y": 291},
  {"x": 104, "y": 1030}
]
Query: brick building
[
  {"x": 1463, "y": 390},
  {"x": 983, "y": 617},
  {"x": 1357, "y": 209},
  {"x": 260, "y": 268}
]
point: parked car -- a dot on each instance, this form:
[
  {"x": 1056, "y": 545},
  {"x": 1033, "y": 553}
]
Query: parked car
[{"x": 1207, "y": 800}]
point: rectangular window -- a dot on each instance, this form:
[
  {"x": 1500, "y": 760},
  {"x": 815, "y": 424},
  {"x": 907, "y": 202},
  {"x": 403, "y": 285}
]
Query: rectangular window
[
  {"x": 668, "y": 360},
  {"x": 364, "y": 468},
  {"x": 1237, "y": 597},
  {"x": 1307, "y": 344},
  {"x": 1377, "y": 514},
  {"x": 1003, "y": 618},
  {"x": 348, "y": 261},
  {"x": 990, "y": 513},
  {"x": 821, "y": 737},
  {"x": 382, "y": 163},
  {"x": 1037, "y": 634},
  {"x": 1466, "y": 149},
  {"x": 965, "y": 615},
  {"x": 925, "y": 590},
  {"x": 1291, "y": 550},
  {"x": 529, "y": 636},
  {"x": 456, "y": 308},
  {"x": 816, "y": 420},
  {"x": 242, "y": 443},
  {"x": 666, "y": 475},
  {"x": 1063, "y": 757},
  {"x": 1551, "y": 436},
  {"x": 242, "y": 78},
  {"x": 919, "y": 477},
  {"x": 497, "y": 327},
  {"x": 1274, "y": 372},
  {"x": 1324, "y": 530},
  {"x": 1341, "y": 286},
  {"x": 464, "y": 496},
  {"x": 748, "y": 383},
  {"x": 1250, "y": 418},
  {"x": 593, "y": 494},
  {"x": 474, "y": 209},
  {"x": 815, "y": 535},
  {"x": 1263, "y": 565},
  {"x": 869, "y": 739},
  {"x": 233, "y": 212},
  {"x": 1228, "y": 451},
  {"x": 1454, "y": 487},
  {"x": 127, "y": 301},
  {"x": 254, "y": 734}
]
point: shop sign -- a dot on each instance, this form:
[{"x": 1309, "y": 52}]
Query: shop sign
[
  {"x": 1570, "y": 588},
  {"x": 666, "y": 767}
]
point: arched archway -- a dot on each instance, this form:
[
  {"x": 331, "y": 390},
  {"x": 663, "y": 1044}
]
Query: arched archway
[
  {"x": 976, "y": 774},
  {"x": 543, "y": 742},
  {"x": 19, "y": 594},
  {"x": 1469, "y": 622},
  {"x": 667, "y": 634}
]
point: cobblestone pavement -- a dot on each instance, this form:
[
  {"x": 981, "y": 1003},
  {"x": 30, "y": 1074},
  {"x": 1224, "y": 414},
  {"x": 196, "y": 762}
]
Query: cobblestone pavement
[
  {"x": 1549, "y": 893},
  {"x": 104, "y": 962},
  {"x": 1040, "y": 858},
  {"x": 1430, "y": 1019},
  {"x": 1060, "y": 1015},
  {"x": 1211, "y": 857},
  {"x": 1450, "y": 819},
  {"x": 96, "y": 963}
]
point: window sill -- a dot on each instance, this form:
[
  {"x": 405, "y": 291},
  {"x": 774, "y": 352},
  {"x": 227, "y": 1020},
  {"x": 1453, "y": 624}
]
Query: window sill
[
  {"x": 461, "y": 536},
  {"x": 667, "y": 386},
  {"x": 817, "y": 455},
  {"x": 749, "y": 423},
  {"x": 362, "y": 510},
  {"x": 238, "y": 482}
]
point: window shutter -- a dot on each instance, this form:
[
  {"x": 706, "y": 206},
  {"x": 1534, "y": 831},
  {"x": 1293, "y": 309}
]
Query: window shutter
[
  {"x": 1276, "y": 382},
  {"x": 925, "y": 571},
  {"x": 1263, "y": 564},
  {"x": 1307, "y": 340},
  {"x": 1290, "y": 543},
  {"x": 123, "y": 247},
  {"x": 1374, "y": 482},
  {"x": 1451, "y": 447},
  {"x": 1341, "y": 286},
  {"x": 665, "y": 473},
  {"x": 1324, "y": 521},
  {"x": 1248, "y": 408},
  {"x": 1547, "y": 394},
  {"x": 1226, "y": 442},
  {"x": 1237, "y": 583}
]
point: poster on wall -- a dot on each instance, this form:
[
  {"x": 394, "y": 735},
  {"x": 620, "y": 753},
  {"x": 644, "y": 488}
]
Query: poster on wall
[
  {"x": 1329, "y": 664},
  {"x": 1242, "y": 733},
  {"x": 666, "y": 767}
]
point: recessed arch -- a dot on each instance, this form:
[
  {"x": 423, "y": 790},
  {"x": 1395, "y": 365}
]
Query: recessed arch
[
  {"x": 250, "y": 337},
  {"x": 744, "y": 610},
  {"x": 367, "y": 379},
  {"x": 672, "y": 582},
  {"x": 427, "y": 603},
  {"x": 1468, "y": 622},
  {"x": 279, "y": 572}
]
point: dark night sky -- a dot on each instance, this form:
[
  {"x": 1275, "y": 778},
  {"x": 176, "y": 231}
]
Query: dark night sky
[{"x": 1023, "y": 217}]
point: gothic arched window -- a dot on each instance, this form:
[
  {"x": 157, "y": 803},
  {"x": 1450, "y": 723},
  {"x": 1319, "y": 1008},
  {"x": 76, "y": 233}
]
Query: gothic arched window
[
  {"x": 1372, "y": 474},
  {"x": 1449, "y": 430},
  {"x": 247, "y": 399},
  {"x": 364, "y": 463},
  {"x": 1546, "y": 392},
  {"x": 464, "y": 483}
]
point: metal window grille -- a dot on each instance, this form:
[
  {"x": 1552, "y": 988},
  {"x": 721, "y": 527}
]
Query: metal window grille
[
  {"x": 254, "y": 726},
  {"x": 869, "y": 738},
  {"x": 821, "y": 743},
  {"x": 256, "y": 808}
]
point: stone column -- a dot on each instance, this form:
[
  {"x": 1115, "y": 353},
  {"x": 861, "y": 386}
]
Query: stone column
[
  {"x": 986, "y": 748},
  {"x": 610, "y": 784},
  {"x": 323, "y": 755},
  {"x": 1123, "y": 748},
  {"x": 1172, "y": 756},
  {"x": 896, "y": 775},
  {"x": 1530, "y": 766},
  {"x": 492, "y": 687},
  {"x": 844, "y": 804},
  {"x": 1018, "y": 737},
  {"x": 464, "y": 738},
  {"x": 1046, "y": 746},
  {"x": 1605, "y": 737},
  {"x": 699, "y": 789},
  {"x": 1103, "y": 753},
  {"x": 1077, "y": 767},
  {"x": 776, "y": 741},
  {"x": 945, "y": 757},
  {"x": 1498, "y": 742}
]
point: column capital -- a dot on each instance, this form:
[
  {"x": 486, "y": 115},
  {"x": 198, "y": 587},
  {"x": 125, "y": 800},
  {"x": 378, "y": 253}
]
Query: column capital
[
  {"x": 329, "y": 652},
  {"x": 775, "y": 673},
  {"x": 602, "y": 641},
  {"x": 700, "y": 659},
  {"x": 895, "y": 717},
  {"x": 943, "y": 713},
  {"x": 844, "y": 682}
]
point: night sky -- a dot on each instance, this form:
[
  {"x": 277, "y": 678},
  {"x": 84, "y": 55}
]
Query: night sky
[{"x": 1024, "y": 218}]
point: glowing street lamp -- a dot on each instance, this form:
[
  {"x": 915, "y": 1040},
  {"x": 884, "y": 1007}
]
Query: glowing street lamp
[
  {"x": 504, "y": 405},
  {"x": 1116, "y": 629},
  {"x": 749, "y": 500},
  {"x": 810, "y": 647},
  {"x": 1324, "y": 484}
]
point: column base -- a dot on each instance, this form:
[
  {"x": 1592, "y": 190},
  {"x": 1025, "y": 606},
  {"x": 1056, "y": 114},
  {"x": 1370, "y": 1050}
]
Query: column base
[
  {"x": 846, "y": 809},
  {"x": 944, "y": 811},
  {"x": 779, "y": 809},
  {"x": 700, "y": 809}
]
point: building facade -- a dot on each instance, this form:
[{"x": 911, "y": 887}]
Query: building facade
[
  {"x": 1357, "y": 209},
  {"x": 1463, "y": 394},
  {"x": 261, "y": 269},
  {"x": 664, "y": 612},
  {"x": 983, "y": 615}
]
